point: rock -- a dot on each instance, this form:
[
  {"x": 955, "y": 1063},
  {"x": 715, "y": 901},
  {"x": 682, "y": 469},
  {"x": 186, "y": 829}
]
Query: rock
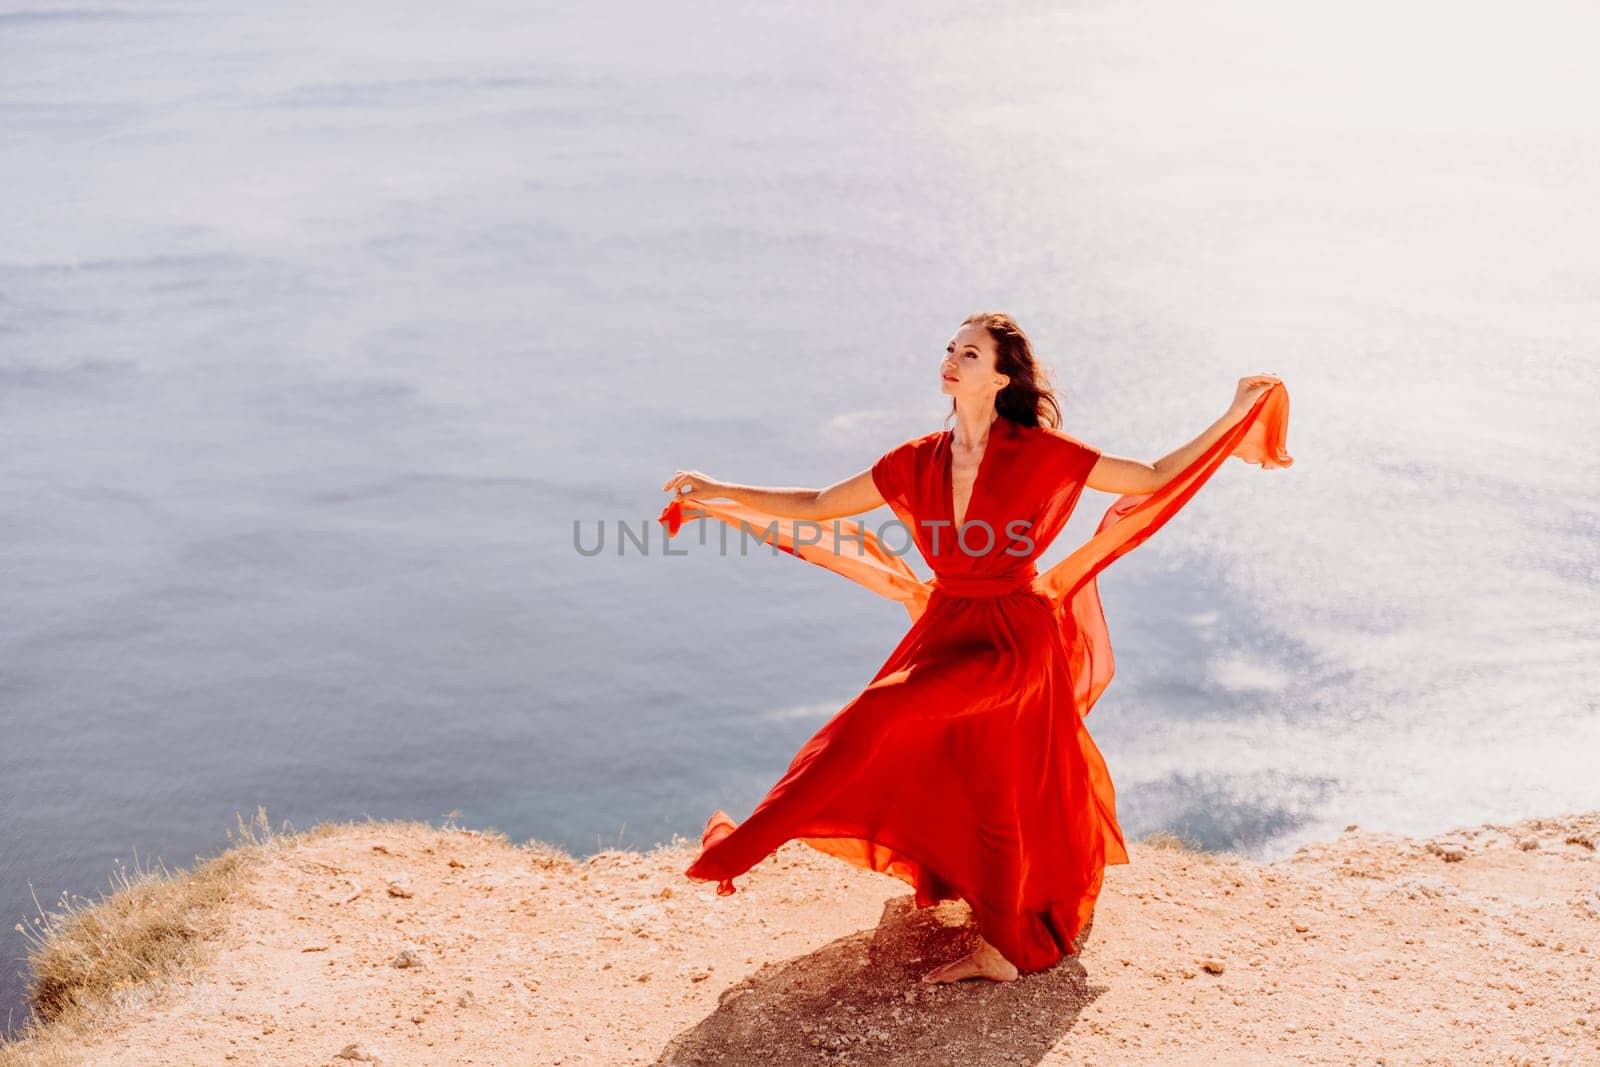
[
  {"x": 1528, "y": 844},
  {"x": 400, "y": 887},
  {"x": 1212, "y": 965},
  {"x": 409, "y": 956},
  {"x": 1449, "y": 851},
  {"x": 1581, "y": 839},
  {"x": 357, "y": 1052},
  {"x": 1301, "y": 928},
  {"x": 466, "y": 1000}
]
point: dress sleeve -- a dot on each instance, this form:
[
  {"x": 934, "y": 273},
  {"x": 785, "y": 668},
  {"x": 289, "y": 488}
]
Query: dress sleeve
[
  {"x": 891, "y": 473},
  {"x": 1064, "y": 473},
  {"x": 1078, "y": 460}
]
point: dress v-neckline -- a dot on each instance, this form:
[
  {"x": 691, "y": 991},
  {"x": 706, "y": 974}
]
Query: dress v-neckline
[{"x": 977, "y": 477}]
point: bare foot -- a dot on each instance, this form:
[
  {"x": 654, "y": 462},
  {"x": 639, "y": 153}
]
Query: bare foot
[{"x": 984, "y": 961}]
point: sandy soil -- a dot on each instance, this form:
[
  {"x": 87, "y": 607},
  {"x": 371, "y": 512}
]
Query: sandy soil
[{"x": 1473, "y": 947}]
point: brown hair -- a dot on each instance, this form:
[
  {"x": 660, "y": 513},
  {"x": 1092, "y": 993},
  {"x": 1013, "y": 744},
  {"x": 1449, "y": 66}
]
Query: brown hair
[{"x": 1029, "y": 398}]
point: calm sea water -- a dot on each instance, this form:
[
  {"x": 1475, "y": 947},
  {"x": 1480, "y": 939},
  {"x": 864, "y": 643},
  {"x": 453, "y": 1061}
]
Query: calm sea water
[{"x": 320, "y": 327}]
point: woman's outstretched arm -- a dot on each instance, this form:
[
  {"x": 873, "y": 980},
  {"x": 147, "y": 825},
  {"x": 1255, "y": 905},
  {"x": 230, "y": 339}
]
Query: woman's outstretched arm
[
  {"x": 852, "y": 496},
  {"x": 1121, "y": 475}
]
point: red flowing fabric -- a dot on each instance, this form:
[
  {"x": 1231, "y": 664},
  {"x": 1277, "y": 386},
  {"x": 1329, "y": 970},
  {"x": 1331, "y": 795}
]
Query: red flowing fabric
[{"x": 965, "y": 767}]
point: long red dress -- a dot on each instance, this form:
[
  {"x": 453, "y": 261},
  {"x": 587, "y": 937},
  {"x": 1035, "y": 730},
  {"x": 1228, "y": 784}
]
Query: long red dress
[{"x": 965, "y": 768}]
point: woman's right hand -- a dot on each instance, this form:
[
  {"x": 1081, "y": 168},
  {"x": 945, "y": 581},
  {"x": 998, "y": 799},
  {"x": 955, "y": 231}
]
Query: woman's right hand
[
  {"x": 685, "y": 483},
  {"x": 1250, "y": 387}
]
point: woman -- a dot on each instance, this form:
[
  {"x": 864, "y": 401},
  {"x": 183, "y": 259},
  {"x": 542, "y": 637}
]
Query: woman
[{"x": 964, "y": 767}]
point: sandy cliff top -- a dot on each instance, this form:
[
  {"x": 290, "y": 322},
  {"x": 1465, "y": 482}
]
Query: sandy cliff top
[{"x": 1477, "y": 946}]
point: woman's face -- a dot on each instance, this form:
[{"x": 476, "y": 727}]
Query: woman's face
[{"x": 968, "y": 365}]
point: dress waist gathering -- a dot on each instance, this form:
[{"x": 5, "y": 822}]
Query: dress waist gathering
[{"x": 977, "y": 586}]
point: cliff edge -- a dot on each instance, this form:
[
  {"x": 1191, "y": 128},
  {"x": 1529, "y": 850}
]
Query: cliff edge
[{"x": 404, "y": 943}]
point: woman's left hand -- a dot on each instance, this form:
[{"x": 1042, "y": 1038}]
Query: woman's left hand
[{"x": 1250, "y": 387}]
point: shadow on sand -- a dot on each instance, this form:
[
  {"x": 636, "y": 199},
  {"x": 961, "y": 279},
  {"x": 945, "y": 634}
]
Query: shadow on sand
[{"x": 860, "y": 1000}]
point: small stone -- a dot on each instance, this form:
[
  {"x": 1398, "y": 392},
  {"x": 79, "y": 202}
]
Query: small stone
[
  {"x": 400, "y": 887},
  {"x": 1301, "y": 928},
  {"x": 1528, "y": 844},
  {"x": 409, "y": 956},
  {"x": 1212, "y": 965},
  {"x": 457, "y": 863},
  {"x": 666, "y": 892},
  {"x": 1349, "y": 828},
  {"x": 466, "y": 1000},
  {"x": 361, "y": 1053}
]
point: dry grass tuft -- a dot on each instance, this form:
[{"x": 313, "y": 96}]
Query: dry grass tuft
[
  {"x": 1168, "y": 840},
  {"x": 89, "y": 957},
  {"x": 93, "y": 959},
  {"x": 548, "y": 857}
]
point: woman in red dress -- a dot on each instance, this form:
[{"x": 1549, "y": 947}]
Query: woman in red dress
[{"x": 965, "y": 767}]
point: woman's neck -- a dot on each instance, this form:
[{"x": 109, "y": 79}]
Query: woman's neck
[{"x": 973, "y": 427}]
